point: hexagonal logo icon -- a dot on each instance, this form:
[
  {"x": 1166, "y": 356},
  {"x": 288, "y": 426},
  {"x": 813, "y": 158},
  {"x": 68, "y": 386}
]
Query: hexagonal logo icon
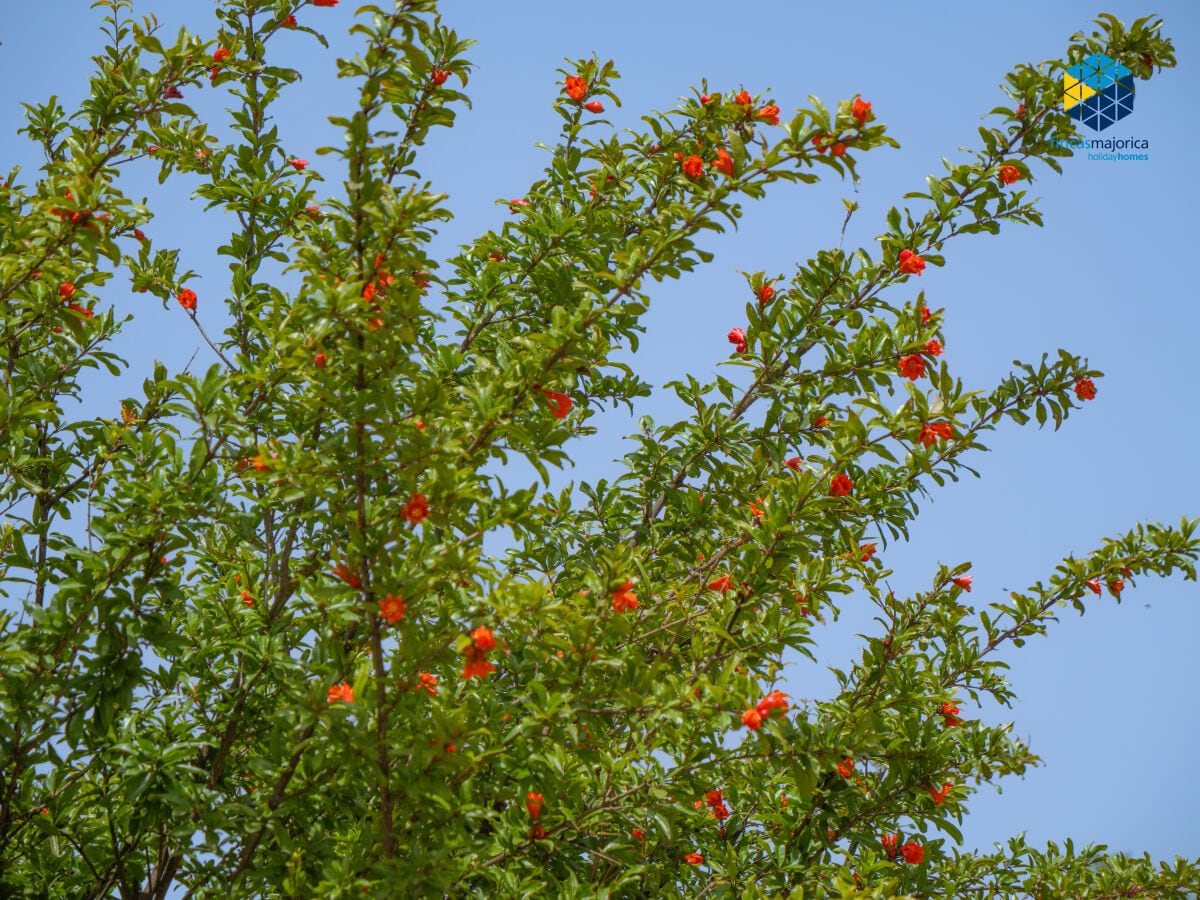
[{"x": 1098, "y": 91}]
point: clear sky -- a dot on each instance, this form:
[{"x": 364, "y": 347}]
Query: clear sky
[{"x": 1109, "y": 701}]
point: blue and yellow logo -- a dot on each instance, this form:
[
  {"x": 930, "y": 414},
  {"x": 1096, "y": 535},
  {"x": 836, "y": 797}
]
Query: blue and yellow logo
[{"x": 1098, "y": 91}]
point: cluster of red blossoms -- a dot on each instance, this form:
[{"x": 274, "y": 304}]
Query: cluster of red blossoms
[
  {"x": 861, "y": 110},
  {"x": 754, "y": 717},
  {"x": 576, "y": 88},
  {"x": 716, "y": 803},
  {"x": 477, "y": 665},
  {"x": 913, "y": 853},
  {"x": 912, "y": 366}
]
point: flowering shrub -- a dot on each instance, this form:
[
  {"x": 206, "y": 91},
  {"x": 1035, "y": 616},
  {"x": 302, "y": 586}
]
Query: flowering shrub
[{"x": 284, "y": 657}]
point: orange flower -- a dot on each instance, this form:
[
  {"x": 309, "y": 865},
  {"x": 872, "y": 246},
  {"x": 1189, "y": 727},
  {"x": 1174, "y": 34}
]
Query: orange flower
[
  {"x": 912, "y": 366},
  {"x": 637, "y": 834},
  {"x": 1094, "y": 585},
  {"x": 66, "y": 290},
  {"x": 247, "y": 598},
  {"x": 744, "y": 98},
  {"x": 724, "y": 162},
  {"x": 838, "y": 149},
  {"x": 482, "y": 639},
  {"x": 939, "y": 797},
  {"x": 1085, "y": 389},
  {"x": 533, "y": 803},
  {"x": 260, "y": 463},
  {"x": 845, "y": 767},
  {"x": 913, "y": 854},
  {"x": 693, "y": 166},
  {"x": 342, "y": 692},
  {"x": 756, "y": 510},
  {"x": 344, "y": 572},
  {"x": 889, "y": 842},
  {"x": 820, "y": 422},
  {"x": 932, "y": 432},
  {"x": 1009, "y": 174},
  {"x": 624, "y": 599},
  {"x": 861, "y": 110},
  {"x": 720, "y": 584},
  {"x": 439, "y": 76},
  {"x": 765, "y": 293},
  {"x": 187, "y": 298},
  {"x": 769, "y": 113},
  {"x": 392, "y": 608},
  {"x": 773, "y": 701},
  {"x": 368, "y": 292},
  {"x": 576, "y": 88},
  {"x": 694, "y": 859},
  {"x": 867, "y": 551},
  {"x": 841, "y": 485},
  {"x": 752, "y": 719},
  {"x": 477, "y": 665},
  {"x": 963, "y": 581},
  {"x": 910, "y": 263},
  {"x": 793, "y": 463},
  {"x": 289, "y": 22},
  {"x": 560, "y": 403},
  {"x": 1115, "y": 587},
  {"x": 220, "y": 54},
  {"x": 428, "y": 683},
  {"x": 416, "y": 510},
  {"x": 933, "y": 347},
  {"x": 820, "y": 142},
  {"x": 298, "y": 164}
]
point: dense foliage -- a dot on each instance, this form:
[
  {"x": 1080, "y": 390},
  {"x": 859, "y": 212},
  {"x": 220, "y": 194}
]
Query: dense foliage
[{"x": 259, "y": 640}]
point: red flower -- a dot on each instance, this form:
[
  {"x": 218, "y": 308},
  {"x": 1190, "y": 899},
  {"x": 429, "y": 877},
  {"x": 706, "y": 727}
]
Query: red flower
[
  {"x": 737, "y": 337},
  {"x": 770, "y": 113},
  {"x": 368, "y": 292},
  {"x": 637, "y": 834},
  {"x": 912, "y": 366},
  {"x": 819, "y": 143},
  {"x": 247, "y": 598},
  {"x": 139, "y": 234},
  {"x": 439, "y": 76},
  {"x": 926, "y": 315},
  {"x": 694, "y": 859},
  {"x": 533, "y": 803},
  {"x": 82, "y": 310},
  {"x": 932, "y": 432},
  {"x": 820, "y": 422},
  {"x": 416, "y": 509},
  {"x": 1115, "y": 587},
  {"x": 344, "y": 572},
  {"x": 838, "y": 149},
  {"x": 889, "y": 842},
  {"x": 949, "y": 709},
  {"x": 477, "y": 665},
  {"x": 319, "y": 360},
  {"x": 744, "y": 98},
  {"x": 705, "y": 99},
  {"x": 841, "y": 485},
  {"x": 1020, "y": 110},
  {"x": 752, "y": 719},
  {"x": 950, "y": 715},
  {"x": 914, "y": 854},
  {"x": 576, "y": 88},
  {"x": 1009, "y": 174},
  {"x": 939, "y": 797},
  {"x": 624, "y": 599},
  {"x": 721, "y": 584},
  {"x": 861, "y": 110},
  {"x": 867, "y": 550},
  {"x": 515, "y": 204},
  {"x": 793, "y": 463},
  {"x": 560, "y": 403},
  {"x": 715, "y": 797},
  {"x": 933, "y": 347},
  {"x": 595, "y": 106},
  {"x": 342, "y": 692},
  {"x": 773, "y": 701},
  {"x": 172, "y": 93},
  {"x": 910, "y": 263},
  {"x": 298, "y": 164},
  {"x": 693, "y": 166},
  {"x": 392, "y": 608},
  {"x": 289, "y": 22},
  {"x": 66, "y": 290},
  {"x": 1085, "y": 389},
  {"x": 187, "y": 298},
  {"x": 963, "y": 581},
  {"x": 325, "y": 2},
  {"x": 428, "y": 683},
  {"x": 724, "y": 162},
  {"x": 1094, "y": 585},
  {"x": 845, "y": 767},
  {"x": 765, "y": 293},
  {"x": 482, "y": 639},
  {"x": 756, "y": 510}
]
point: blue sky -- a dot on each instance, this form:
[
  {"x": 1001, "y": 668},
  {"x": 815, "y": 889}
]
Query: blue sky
[{"x": 1108, "y": 700}]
